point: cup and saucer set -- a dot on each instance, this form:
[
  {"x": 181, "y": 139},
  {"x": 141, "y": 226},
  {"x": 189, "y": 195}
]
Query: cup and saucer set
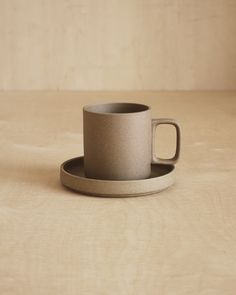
[{"x": 119, "y": 153}]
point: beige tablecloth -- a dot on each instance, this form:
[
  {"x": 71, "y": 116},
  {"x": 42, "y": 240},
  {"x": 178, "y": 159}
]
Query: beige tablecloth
[{"x": 54, "y": 241}]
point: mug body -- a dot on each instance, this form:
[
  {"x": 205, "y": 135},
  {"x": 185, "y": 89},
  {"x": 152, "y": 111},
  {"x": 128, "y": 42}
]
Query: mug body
[{"x": 117, "y": 141}]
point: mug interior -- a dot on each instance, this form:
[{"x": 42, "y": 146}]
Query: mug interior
[{"x": 119, "y": 108}]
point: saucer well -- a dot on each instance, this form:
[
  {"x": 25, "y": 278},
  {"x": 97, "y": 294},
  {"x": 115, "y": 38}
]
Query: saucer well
[{"x": 72, "y": 176}]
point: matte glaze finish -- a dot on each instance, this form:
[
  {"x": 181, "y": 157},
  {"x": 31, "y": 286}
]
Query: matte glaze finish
[
  {"x": 73, "y": 176},
  {"x": 117, "y": 145},
  {"x": 119, "y": 141}
]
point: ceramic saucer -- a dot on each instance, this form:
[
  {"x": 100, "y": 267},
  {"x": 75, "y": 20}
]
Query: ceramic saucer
[{"x": 72, "y": 176}]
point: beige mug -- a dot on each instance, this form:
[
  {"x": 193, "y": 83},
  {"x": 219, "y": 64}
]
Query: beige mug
[{"x": 119, "y": 141}]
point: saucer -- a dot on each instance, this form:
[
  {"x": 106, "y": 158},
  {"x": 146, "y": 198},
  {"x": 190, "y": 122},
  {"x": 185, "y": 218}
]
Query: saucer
[{"x": 72, "y": 176}]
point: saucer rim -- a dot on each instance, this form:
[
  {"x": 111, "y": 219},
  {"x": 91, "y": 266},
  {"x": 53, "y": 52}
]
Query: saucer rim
[
  {"x": 116, "y": 188},
  {"x": 62, "y": 170},
  {"x": 113, "y": 195}
]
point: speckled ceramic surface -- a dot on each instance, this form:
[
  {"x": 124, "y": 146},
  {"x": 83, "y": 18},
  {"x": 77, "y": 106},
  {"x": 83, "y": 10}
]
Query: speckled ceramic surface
[
  {"x": 119, "y": 141},
  {"x": 72, "y": 176}
]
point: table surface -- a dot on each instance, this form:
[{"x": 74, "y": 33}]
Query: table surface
[{"x": 54, "y": 241}]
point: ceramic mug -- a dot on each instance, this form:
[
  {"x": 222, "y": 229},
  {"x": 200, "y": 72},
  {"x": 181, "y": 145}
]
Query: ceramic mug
[{"x": 119, "y": 141}]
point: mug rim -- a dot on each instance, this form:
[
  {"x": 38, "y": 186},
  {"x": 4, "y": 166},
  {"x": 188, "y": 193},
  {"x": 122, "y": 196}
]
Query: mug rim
[{"x": 138, "y": 108}]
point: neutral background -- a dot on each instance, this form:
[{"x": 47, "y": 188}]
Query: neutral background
[
  {"x": 54, "y": 241},
  {"x": 117, "y": 44}
]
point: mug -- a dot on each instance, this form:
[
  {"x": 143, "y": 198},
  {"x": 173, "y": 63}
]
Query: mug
[{"x": 119, "y": 141}]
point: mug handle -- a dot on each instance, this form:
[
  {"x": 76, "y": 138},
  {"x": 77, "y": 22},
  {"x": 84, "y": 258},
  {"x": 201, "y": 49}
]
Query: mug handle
[{"x": 155, "y": 159}]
